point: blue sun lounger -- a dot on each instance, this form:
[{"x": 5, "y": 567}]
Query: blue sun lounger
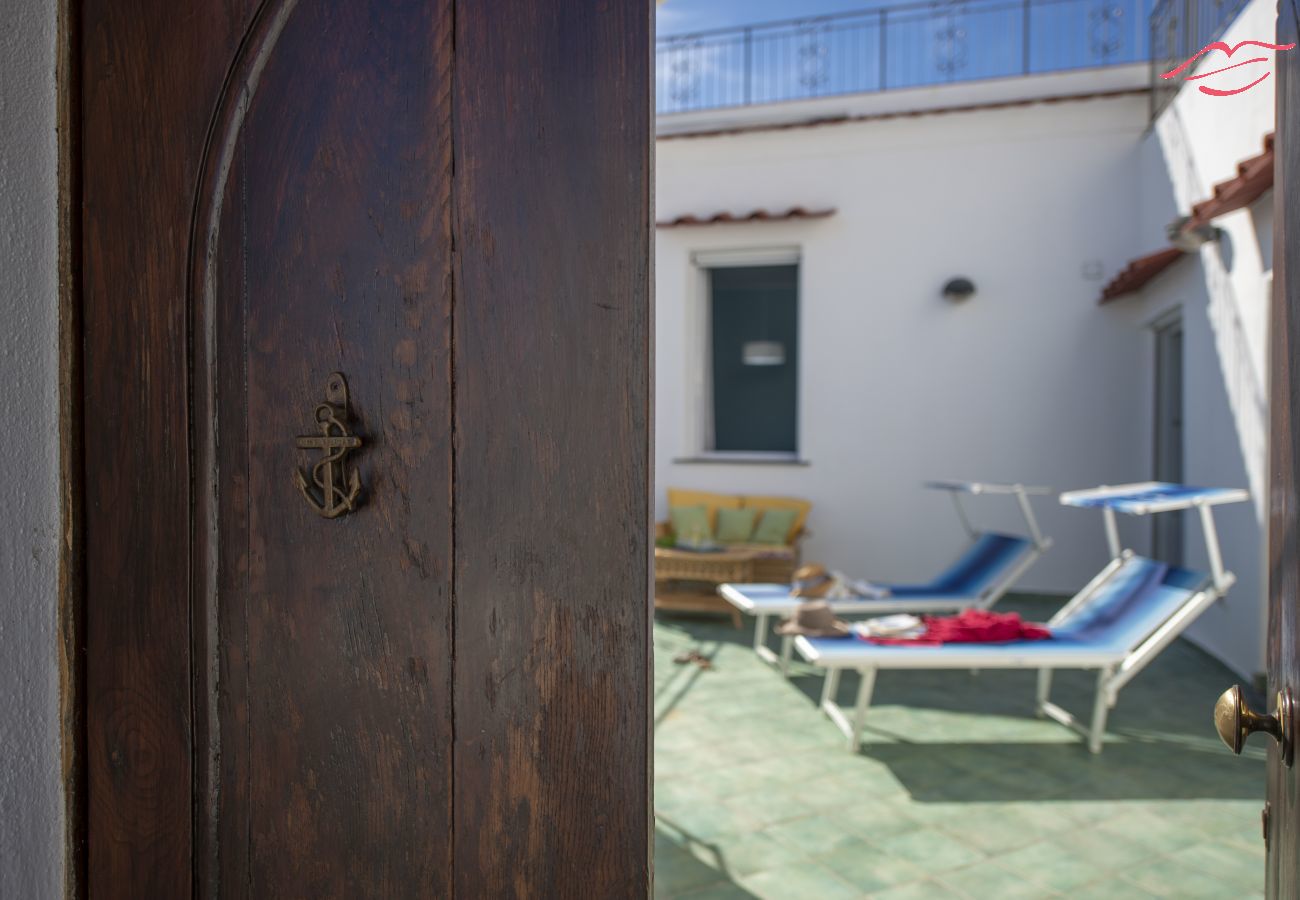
[
  {"x": 1118, "y": 623},
  {"x": 987, "y": 569}
]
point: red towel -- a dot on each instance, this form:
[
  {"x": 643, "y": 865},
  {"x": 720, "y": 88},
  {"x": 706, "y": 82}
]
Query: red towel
[{"x": 974, "y": 626}]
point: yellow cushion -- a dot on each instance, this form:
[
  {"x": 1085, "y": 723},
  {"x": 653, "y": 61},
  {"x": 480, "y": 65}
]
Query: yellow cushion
[
  {"x": 801, "y": 508},
  {"x": 711, "y": 502}
]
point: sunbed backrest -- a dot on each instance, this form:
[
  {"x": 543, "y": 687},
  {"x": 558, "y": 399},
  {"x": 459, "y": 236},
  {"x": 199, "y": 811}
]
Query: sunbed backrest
[
  {"x": 986, "y": 560},
  {"x": 1130, "y": 605}
]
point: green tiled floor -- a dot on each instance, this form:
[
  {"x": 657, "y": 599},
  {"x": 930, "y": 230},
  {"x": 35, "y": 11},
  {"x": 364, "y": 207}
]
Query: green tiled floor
[{"x": 958, "y": 791}]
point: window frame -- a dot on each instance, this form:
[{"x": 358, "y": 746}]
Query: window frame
[{"x": 698, "y": 435}]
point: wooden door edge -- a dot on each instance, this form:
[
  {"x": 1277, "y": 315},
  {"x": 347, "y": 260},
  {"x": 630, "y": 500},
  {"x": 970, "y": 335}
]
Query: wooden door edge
[
  {"x": 648, "y": 187},
  {"x": 71, "y": 583}
]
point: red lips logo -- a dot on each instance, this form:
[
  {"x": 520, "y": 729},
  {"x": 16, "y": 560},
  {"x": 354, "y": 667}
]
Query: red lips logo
[{"x": 1220, "y": 45}]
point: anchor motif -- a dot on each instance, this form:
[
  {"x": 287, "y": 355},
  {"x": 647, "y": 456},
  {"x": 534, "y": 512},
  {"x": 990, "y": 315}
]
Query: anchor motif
[{"x": 337, "y": 488}]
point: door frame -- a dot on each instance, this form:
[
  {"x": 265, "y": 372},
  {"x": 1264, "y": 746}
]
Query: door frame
[
  {"x": 1161, "y": 329},
  {"x": 697, "y": 438},
  {"x": 1280, "y": 825}
]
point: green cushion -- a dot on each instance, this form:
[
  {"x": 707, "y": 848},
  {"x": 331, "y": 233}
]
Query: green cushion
[
  {"x": 775, "y": 526},
  {"x": 736, "y": 525},
  {"x": 691, "y": 523}
]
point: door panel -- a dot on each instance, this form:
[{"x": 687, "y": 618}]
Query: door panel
[
  {"x": 333, "y": 254},
  {"x": 1283, "y": 826},
  {"x": 553, "y": 435},
  {"x": 444, "y": 691}
]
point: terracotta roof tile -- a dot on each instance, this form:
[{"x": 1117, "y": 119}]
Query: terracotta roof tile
[
  {"x": 757, "y": 215},
  {"x": 1254, "y": 177},
  {"x": 1138, "y": 272}
]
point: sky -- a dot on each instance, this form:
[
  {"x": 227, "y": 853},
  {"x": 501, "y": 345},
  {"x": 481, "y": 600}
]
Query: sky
[{"x": 681, "y": 16}]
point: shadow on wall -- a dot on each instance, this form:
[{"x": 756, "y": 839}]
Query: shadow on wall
[
  {"x": 1241, "y": 363},
  {"x": 1243, "y": 376}
]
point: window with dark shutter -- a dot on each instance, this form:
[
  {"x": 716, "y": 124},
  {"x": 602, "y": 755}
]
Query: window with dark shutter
[{"x": 754, "y": 319}]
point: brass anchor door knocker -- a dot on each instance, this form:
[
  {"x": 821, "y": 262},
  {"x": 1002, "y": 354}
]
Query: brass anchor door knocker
[{"x": 333, "y": 488}]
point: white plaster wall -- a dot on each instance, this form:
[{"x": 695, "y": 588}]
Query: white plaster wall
[
  {"x": 1202, "y": 137},
  {"x": 1028, "y": 381},
  {"x": 1233, "y": 629},
  {"x": 31, "y": 805},
  {"x": 1223, "y": 292}
]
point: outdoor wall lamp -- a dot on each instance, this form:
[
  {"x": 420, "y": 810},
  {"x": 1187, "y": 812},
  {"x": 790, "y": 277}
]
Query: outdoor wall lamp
[
  {"x": 1189, "y": 237},
  {"x": 958, "y": 289}
]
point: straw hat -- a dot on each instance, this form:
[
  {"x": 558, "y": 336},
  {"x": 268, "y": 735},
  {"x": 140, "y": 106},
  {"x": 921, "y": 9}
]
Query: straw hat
[
  {"x": 811, "y": 581},
  {"x": 814, "y": 619}
]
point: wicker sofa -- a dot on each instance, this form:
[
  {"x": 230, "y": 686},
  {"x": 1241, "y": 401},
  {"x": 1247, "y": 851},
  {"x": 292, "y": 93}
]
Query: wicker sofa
[{"x": 774, "y": 563}]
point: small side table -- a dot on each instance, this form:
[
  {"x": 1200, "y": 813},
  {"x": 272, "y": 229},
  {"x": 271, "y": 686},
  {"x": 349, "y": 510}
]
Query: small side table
[{"x": 688, "y": 581}]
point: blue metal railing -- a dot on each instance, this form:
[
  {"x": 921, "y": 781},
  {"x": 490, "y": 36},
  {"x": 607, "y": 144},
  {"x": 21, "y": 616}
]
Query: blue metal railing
[
  {"x": 891, "y": 47},
  {"x": 1180, "y": 28}
]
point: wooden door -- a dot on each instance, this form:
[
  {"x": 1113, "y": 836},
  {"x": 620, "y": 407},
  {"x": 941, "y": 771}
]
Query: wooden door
[
  {"x": 1282, "y": 816},
  {"x": 444, "y": 689}
]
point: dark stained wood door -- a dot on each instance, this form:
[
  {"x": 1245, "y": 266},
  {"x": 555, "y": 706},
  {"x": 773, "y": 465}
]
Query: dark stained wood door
[
  {"x": 443, "y": 692},
  {"x": 1282, "y": 818}
]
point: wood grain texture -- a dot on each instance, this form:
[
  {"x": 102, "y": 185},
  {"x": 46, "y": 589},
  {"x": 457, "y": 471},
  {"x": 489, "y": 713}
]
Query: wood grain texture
[
  {"x": 333, "y": 253},
  {"x": 149, "y": 83},
  {"x": 553, "y": 135},
  {"x": 447, "y": 691},
  {"x": 1283, "y": 863}
]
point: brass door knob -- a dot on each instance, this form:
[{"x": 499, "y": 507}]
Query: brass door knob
[{"x": 1235, "y": 721}]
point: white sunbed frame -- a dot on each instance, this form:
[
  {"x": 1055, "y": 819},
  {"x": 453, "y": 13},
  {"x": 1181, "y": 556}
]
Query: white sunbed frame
[
  {"x": 885, "y": 605},
  {"x": 1114, "y": 671}
]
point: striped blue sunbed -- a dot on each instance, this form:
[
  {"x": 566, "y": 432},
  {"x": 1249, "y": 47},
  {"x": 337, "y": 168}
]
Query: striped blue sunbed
[
  {"x": 988, "y": 567},
  {"x": 1118, "y": 623}
]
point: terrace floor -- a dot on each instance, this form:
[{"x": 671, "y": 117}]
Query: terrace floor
[{"x": 958, "y": 791}]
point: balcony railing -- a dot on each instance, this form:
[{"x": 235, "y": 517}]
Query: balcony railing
[
  {"x": 895, "y": 47},
  {"x": 1179, "y": 28}
]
